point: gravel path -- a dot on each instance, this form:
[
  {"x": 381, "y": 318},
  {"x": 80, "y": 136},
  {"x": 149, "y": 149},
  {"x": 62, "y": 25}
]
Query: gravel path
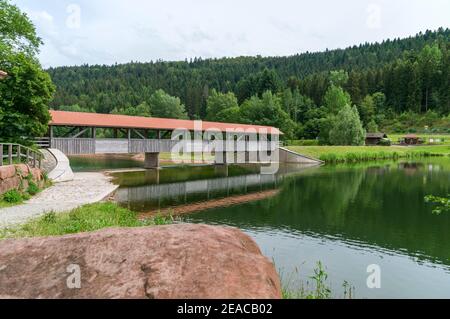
[{"x": 86, "y": 188}]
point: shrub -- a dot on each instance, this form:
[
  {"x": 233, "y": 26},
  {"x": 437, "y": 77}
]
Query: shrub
[
  {"x": 385, "y": 142},
  {"x": 26, "y": 196},
  {"x": 12, "y": 196},
  {"x": 303, "y": 143},
  {"x": 160, "y": 220},
  {"x": 49, "y": 218},
  {"x": 33, "y": 189}
]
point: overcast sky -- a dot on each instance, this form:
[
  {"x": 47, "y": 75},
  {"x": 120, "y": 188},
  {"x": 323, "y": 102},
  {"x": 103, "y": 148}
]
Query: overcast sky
[{"x": 110, "y": 31}]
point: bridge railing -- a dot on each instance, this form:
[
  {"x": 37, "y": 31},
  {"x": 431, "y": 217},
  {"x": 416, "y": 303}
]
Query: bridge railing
[
  {"x": 80, "y": 146},
  {"x": 11, "y": 153}
]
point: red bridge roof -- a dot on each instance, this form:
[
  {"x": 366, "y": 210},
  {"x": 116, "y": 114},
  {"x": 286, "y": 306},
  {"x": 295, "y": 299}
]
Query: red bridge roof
[{"x": 62, "y": 118}]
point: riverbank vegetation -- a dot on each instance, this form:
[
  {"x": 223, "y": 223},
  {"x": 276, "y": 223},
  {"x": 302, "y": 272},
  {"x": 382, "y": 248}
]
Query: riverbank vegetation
[
  {"x": 317, "y": 287},
  {"x": 352, "y": 154},
  {"x": 13, "y": 197},
  {"x": 83, "y": 219}
]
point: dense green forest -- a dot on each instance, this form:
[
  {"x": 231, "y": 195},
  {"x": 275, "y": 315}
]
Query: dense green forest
[
  {"x": 397, "y": 85},
  {"x": 337, "y": 96}
]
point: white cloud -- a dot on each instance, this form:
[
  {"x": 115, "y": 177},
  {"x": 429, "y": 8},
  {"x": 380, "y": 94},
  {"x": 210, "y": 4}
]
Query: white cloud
[{"x": 141, "y": 30}]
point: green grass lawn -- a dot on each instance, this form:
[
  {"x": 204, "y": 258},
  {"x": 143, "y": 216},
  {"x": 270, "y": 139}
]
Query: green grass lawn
[
  {"x": 4, "y": 204},
  {"x": 336, "y": 154},
  {"x": 83, "y": 219}
]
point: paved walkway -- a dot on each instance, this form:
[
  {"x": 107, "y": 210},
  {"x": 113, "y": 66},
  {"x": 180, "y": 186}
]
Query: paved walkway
[{"x": 86, "y": 188}]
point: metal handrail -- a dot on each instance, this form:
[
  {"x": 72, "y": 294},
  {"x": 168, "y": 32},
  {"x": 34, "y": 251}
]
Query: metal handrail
[{"x": 32, "y": 157}]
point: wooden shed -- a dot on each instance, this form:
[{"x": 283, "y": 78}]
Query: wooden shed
[
  {"x": 374, "y": 138},
  {"x": 411, "y": 139}
]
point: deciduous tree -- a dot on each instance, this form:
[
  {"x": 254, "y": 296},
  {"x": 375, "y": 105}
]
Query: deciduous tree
[{"x": 347, "y": 128}]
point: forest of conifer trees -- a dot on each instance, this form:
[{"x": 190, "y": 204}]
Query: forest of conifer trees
[{"x": 396, "y": 85}]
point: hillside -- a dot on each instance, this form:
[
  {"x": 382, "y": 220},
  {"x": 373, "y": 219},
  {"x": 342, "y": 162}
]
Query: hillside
[{"x": 102, "y": 88}]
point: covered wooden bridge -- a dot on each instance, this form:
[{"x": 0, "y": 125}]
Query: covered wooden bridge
[{"x": 76, "y": 133}]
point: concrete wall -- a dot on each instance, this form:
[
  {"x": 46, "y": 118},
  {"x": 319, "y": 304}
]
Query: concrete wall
[
  {"x": 15, "y": 177},
  {"x": 288, "y": 156},
  {"x": 62, "y": 172}
]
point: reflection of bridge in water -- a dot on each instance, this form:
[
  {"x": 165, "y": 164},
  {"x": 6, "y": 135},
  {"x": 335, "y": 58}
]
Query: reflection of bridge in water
[{"x": 150, "y": 197}]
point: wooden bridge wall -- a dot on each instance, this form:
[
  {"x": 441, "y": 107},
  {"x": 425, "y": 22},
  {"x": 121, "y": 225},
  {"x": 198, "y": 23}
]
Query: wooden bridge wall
[{"x": 84, "y": 146}]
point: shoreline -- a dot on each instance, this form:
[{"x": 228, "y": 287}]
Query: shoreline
[{"x": 86, "y": 188}]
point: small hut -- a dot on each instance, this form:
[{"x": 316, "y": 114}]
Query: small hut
[
  {"x": 411, "y": 139},
  {"x": 374, "y": 138}
]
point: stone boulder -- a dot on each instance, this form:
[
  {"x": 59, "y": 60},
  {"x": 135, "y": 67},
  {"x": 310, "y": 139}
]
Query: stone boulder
[{"x": 176, "y": 262}]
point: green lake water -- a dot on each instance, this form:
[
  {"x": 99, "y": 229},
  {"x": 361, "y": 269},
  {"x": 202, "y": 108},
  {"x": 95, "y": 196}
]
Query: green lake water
[
  {"x": 348, "y": 217},
  {"x": 89, "y": 164}
]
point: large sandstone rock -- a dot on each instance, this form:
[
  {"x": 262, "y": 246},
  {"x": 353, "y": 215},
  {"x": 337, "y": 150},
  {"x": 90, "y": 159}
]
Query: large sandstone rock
[{"x": 177, "y": 261}]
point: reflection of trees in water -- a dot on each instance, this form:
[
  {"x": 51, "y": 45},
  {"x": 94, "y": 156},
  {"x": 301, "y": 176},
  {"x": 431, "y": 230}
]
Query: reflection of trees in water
[
  {"x": 382, "y": 206},
  {"x": 322, "y": 198}
]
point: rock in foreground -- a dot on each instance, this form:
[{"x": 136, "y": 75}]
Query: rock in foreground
[{"x": 177, "y": 261}]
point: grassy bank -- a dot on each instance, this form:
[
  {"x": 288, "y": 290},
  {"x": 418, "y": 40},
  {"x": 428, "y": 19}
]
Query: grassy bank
[
  {"x": 353, "y": 154},
  {"x": 83, "y": 219}
]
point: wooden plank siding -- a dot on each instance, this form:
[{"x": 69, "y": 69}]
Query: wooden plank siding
[
  {"x": 81, "y": 146},
  {"x": 111, "y": 146},
  {"x": 74, "y": 146},
  {"x": 151, "y": 146}
]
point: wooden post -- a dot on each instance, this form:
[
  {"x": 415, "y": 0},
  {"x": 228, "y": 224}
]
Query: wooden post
[
  {"x": 28, "y": 156},
  {"x": 18, "y": 153},
  {"x": 50, "y": 136},
  {"x": 10, "y": 150},
  {"x": 1, "y": 154},
  {"x": 94, "y": 133},
  {"x": 129, "y": 140},
  {"x": 34, "y": 159}
]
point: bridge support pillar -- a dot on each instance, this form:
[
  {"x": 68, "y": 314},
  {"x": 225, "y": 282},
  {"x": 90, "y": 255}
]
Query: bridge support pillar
[
  {"x": 221, "y": 170},
  {"x": 151, "y": 160}
]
